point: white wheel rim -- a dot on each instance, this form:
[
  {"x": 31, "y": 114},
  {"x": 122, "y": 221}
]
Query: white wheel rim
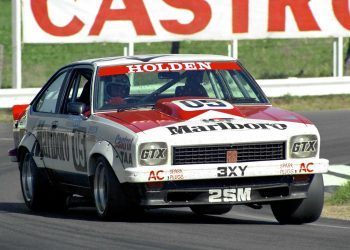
[
  {"x": 27, "y": 179},
  {"x": 100, "y": 188}
]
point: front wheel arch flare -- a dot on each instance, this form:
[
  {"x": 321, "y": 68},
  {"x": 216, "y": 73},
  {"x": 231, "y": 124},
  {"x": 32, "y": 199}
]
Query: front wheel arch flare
[{"x": 106, "y": 150}]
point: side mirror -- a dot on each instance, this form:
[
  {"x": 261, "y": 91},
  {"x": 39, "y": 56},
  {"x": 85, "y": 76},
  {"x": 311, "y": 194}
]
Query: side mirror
[{"x": 76, "y": 108}]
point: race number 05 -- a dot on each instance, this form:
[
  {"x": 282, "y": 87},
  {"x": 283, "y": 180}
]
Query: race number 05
[{"x": 198, "y": 104}]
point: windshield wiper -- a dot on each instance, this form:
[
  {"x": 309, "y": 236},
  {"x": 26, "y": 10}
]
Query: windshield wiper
[{"x": 242, "y": 100}]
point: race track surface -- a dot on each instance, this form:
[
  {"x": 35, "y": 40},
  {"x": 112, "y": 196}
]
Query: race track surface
[{"x": 242, "y": 228}]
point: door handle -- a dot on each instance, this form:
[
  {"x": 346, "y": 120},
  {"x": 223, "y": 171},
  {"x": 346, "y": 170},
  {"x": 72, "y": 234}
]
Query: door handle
[{"x": 54, "y": 124}]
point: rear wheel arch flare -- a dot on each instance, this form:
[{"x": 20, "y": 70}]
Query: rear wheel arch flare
[{"x": 27, "y": 143}]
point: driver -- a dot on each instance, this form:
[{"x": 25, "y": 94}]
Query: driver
[{"x": 117, "y": 87}]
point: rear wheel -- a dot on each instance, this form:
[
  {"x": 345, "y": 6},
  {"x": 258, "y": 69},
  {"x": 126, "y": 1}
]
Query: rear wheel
[
  {"x": 37, "y": 192},
  {"x": 302, "y": 211},
  {"x": 110, "y": 201},
  {"x": 211, "y": 209}
]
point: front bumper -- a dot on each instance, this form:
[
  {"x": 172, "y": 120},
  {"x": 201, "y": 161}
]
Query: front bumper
[{"x": 227, "y": 170}]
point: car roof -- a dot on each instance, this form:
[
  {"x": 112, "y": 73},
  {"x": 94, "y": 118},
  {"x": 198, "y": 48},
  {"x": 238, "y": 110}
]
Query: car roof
[{"x": 139, "y": 59}]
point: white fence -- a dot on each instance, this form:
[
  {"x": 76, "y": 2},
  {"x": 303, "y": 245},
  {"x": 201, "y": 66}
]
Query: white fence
[{"x": 272, "y": 88}]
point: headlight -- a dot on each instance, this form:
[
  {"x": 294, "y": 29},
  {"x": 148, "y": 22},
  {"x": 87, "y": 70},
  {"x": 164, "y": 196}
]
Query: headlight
[
  {"x": 153, "y": 153},
  {"x": 303, "y": 146}
]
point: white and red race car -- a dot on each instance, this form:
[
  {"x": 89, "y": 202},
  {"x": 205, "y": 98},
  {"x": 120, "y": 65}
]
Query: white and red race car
[{"x": 166, "y": 131}]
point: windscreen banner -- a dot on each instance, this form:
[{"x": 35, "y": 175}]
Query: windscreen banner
[{"x": 86, "y": 21}]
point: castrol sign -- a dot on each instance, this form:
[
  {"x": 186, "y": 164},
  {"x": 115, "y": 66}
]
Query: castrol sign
[{"x": 79, "y": 21}]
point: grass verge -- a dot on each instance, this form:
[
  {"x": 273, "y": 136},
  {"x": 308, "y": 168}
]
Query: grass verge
[
  {"x": 312, "y": 103},
  {"x": 337, "y": 205}
]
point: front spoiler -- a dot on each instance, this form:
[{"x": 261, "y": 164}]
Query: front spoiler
[
  {"x": 257, "y": 190},
  {"x": 227, "y": 170}
]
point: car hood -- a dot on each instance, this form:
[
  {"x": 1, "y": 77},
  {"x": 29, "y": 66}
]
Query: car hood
[{"x": 167, "y": 113}]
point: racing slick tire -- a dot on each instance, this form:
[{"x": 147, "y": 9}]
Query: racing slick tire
[
  {"x": 110, "y": 201},
  {"x": 302, "y": 211},
  {"x": 37, "y": 192},
  {"x": 211, "y": 209}
]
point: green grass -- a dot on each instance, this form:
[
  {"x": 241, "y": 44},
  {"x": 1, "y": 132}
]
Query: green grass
[
  {"x": 341, "y": 196},
  {"x": 312, "y": 103},
  {"x": 265, "y": 59}
]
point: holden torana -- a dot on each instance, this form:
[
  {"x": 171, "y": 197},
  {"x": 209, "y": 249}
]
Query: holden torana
[{"x": 155, "y": 131}]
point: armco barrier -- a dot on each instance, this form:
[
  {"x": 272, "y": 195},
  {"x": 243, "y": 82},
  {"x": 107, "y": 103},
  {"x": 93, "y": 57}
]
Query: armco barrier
[{"x": 272, "y": 88}]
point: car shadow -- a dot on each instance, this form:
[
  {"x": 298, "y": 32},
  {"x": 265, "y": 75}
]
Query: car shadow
[{"x": 149, "y": 216}]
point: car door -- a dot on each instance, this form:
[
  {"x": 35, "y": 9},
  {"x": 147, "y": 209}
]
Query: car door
[
  {"x": 42, "y": 121},
  {"x": 71, "y": 130}
]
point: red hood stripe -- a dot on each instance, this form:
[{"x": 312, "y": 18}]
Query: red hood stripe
[{"x": 142, "y": 120}]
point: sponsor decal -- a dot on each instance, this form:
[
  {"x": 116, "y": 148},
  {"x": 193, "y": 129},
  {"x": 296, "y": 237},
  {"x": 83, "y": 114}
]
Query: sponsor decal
[
  {"x": 123, "y": 142},
  {"x": 53, "y": 145},
  {"x": 306, "y": 167},
  {"x": 56, "y": 146},
  {"x": 165, "y": 67},
  {"x": 231, "y": 156},
  {"x": 156, "y": 153},
  {"x": 287, "y": 168},
  {"x": 79, "y": 149},
  {"x": 197, "y": 104},
  {"x": 175, "y": 174},
  {"x": 125, "y": 157},
  {"x": 307, "y": 146},
  {"x": 229, "y": 195},
  {"x": 231, "y": 171},
  {"x": 156, "y": 175},
  {"x": 184, "y": 129},
  {"x": 218, "y": 120}
]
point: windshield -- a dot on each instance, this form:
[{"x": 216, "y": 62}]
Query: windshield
[{"x": 141, "y": 86}]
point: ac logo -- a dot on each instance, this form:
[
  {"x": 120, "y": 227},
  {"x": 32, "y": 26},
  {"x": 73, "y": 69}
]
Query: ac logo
[
  {"x": 156, "y": 175},
  {"x": 306, "y": 168}
]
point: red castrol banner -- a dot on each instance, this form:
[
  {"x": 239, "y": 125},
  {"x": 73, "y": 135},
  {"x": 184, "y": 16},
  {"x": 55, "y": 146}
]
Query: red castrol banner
[{"x": 86, "y": 21}]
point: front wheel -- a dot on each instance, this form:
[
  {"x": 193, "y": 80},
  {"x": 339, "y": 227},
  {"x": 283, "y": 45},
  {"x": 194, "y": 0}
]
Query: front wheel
[
  {"x": 302, "y": 211},
  {"x": 110, "y": 201}
]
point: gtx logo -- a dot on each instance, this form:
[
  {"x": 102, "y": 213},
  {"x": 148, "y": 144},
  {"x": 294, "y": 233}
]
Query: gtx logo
[
  {"x": 307, "y": 146},
  {"x": 157, "y": 153}
]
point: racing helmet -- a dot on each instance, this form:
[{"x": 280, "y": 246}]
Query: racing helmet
[{"x": 117, "y": 86}]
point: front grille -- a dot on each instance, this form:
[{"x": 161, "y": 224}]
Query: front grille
[{"x": 207, "y": 154}]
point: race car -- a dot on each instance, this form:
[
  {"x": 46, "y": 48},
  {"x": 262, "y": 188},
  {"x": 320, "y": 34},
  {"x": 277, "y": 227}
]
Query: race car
[{"x": 153, "y": 131}]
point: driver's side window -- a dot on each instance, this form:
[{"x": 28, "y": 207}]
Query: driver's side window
[{"x": 80, "y": 87}]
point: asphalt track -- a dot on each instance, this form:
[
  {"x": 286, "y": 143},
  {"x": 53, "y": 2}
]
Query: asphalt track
[{"x": 242, "y": 228}]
